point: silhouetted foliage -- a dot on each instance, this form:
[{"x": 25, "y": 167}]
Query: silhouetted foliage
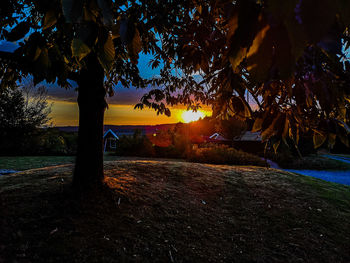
[
  {"x": 231, "y": 127},
  {"x": 287, "y": 59},
  {"x": 285, "y": 55},
  {"x": 23, "y": 111},
  {"x": 163, "y": 144},
  {"x": 224, "y": 155},
  {"x": 136, "y": 145}
]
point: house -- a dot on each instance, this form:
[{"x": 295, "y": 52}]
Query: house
[
  {"x": 215, "y": 138},
  {"x": 249, "y": 142},
  {"x": 110, "y": 141}
]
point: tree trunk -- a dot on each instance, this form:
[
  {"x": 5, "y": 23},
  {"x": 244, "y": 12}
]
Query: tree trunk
[{"x": 88, "y": 173}]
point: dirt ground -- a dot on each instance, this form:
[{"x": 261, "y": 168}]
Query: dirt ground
[{"x": 168, "y": 211}]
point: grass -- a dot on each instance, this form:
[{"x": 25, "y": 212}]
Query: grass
[
  {"x": 315, "y": 162},
  {"x": 167, "y": 211},
  {"x": 22, "y": 163}
]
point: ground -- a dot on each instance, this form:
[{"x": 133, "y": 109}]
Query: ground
[
  {"x": 21, "y": 163},
  {"x": 168, "y": 211}
]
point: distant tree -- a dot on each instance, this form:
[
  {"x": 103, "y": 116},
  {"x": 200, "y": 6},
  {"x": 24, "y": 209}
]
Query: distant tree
[
  {"x": 136, "y": 145},
  {"x": 22, "y": 111},
  {"x": 231, "y": 127}
]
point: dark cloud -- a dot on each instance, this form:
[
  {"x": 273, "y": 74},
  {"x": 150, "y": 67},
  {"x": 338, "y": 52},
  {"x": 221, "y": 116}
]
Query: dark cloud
[{"x": 123, "y": 96}]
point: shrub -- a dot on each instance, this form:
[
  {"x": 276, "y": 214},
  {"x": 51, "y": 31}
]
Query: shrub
[
  {"x": 224, "y": 155},
  {"x": 136, "y": 145},
  {"x": 163, "y": 145},
  {"x": 314, "y": 162}
]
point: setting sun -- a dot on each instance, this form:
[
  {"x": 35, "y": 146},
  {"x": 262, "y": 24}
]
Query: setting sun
[{"x": 189, "y": 116}]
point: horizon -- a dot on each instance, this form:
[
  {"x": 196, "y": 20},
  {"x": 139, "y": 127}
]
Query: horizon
[
  {"x": 120, "y": 109},
  {"x": 65, "y": 113}
]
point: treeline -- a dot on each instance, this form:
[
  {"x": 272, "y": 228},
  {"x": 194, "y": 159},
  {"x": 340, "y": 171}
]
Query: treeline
[
  {"x": 172, "y": 143},
  {"x": 38, "y": 141},
  {"x": 24, "y": 124},
  {"x": 175, "y": 144}
]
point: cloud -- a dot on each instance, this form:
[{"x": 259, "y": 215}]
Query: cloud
[{"x": 122, "y": 96}]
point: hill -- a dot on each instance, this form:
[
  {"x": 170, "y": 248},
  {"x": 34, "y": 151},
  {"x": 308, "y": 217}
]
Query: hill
[{"x": 168, "y": 211}]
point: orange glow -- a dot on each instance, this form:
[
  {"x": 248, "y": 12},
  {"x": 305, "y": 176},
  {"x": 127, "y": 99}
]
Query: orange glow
[
  {"x": 189, "y": 116},
  {"x": 67, "y": 113}
]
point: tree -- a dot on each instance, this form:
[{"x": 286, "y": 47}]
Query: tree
[
  {"x": 288, "y": 57},
  {"x": 231, "y": 128},
  {"x": 88, "y": 41},
  {"x": 239, "y": 47},
  {"x": 22, "y": 111}
]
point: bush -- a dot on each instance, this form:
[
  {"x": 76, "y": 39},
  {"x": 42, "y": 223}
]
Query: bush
[
  {"x": 163, "y": 145},
  {"x": 224, "y": 155},
  {"x": 137, "y": 145},
  {"x": 314, "y": 162}
]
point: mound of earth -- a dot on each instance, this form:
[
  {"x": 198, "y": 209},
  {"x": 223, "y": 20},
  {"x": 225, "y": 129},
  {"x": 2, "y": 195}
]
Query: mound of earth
[{"x": 167, "y": 211}]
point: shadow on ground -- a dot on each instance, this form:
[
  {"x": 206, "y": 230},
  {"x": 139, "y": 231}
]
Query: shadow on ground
[{"x": 168, "y": 211}]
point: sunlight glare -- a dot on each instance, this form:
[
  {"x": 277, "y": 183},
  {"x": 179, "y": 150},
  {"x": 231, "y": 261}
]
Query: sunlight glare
[{"x": 189, "y": 116}]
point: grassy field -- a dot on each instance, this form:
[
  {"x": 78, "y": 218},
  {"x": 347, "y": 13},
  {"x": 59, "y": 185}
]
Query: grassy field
[
  {"x": 167, "y": 211},
  {"x": 21, "y": 163},
  {"x": 315, "y": 162}
]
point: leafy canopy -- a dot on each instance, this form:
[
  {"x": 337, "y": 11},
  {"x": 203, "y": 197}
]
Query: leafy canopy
[{"x": 287, "y": 56}]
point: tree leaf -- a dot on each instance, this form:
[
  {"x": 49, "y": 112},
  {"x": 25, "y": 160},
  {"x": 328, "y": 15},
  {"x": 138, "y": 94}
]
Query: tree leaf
[
  {"x": 37, "y": 53},
  {"x": 107, "y": 53},
  {"x": 331, "y": 140},
  {"x": 79, "y": 49},
  {"x": 271, "y": 51},
  {"x": 319, "y": 138},
  {"x": 116, "y": 30},
  {"x": 259, "y": 57},
  {"x": 257, "y": 124},
  {"x": 344, "y": 139},
  {"x": 285, "y": 129},
  {"x": 344, "y": 125},
  {"x": 135, "y": 47},
  {"x": 18, "y": 32},
  {"x": 287, "y": 14},
  {"x": 271, "y": 130},
  {"x": 107, "y": 14},
  {"x": 88, "y": 15},
  {"x": 276, "y": 145},
  {"x": 49, "y": 19},
  {"x": 239, "y": 107},
  {"x": 44, "y": 59},
  {"x": 237, "y": 56},
  {"x": 72, "y": 10}
]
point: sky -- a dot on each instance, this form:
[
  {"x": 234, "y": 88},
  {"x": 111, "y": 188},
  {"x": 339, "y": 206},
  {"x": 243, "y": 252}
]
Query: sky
[{"x": 121, "y": 106}]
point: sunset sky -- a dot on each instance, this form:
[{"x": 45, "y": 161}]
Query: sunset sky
[
  {"x": 121, "y": 105},
  {"x": 65, "y": 113}
]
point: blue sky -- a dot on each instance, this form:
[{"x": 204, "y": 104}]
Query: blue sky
[{"x": 123, "y": 96}]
